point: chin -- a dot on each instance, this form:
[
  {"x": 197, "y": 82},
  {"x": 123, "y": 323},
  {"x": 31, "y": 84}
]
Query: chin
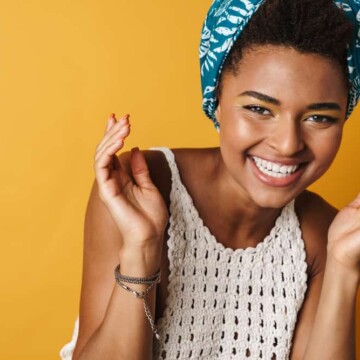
[{"x": 272, "y": 200}]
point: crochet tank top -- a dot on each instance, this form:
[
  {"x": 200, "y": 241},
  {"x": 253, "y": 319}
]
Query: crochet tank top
[{"x": 224, "y": 303}]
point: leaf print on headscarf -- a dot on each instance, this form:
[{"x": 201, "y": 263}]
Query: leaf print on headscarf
[
  {"x": 236, "y": 9},
  {"x": 226, "y": 31},
  {"x": 223, "y": 25},
  {"x": 224, "y": 46},
  {"x": 209, "y": 89},
  {"x": 208, "y": 63}
]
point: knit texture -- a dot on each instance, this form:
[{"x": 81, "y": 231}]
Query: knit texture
[
  {"x": 67, "y": 350},
  {"x": 224, "y": 303}
]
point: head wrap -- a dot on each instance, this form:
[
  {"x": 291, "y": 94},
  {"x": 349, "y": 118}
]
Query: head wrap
[{"x": 223, "y": 25}]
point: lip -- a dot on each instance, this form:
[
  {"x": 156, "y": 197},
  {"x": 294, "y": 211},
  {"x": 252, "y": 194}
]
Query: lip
[
  {"x": 280, "y": 162},
  {"x": 278, "y": 182}
]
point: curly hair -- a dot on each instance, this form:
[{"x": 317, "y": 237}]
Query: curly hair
[{"x": 308, "y": 26}]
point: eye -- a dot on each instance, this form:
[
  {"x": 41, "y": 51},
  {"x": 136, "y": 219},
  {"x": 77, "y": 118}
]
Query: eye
[
  {"x": 258, "y": 109},
  {"x": 322, "y": 119}
]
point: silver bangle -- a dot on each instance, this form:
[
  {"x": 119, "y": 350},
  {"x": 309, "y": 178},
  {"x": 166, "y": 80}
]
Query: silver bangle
[
  {"x": 150, "y": 280},
  {"x": 136, "y": 280}
]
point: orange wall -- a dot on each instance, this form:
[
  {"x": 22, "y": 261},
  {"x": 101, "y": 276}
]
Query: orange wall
[{"x": 64, "y": 67}]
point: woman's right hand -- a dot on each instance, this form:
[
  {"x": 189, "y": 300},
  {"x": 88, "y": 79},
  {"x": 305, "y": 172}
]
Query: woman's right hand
[{"x": 137, "y": 208}]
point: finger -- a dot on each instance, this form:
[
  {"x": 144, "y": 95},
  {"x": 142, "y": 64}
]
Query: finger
[
  {"x": 107, "y": 163},
  {"x": 101, "y": 165},
  {"x": 121, "y": 134},
  {"x": 124, "y": 121},
  {"x": 111, "y": 121},
  {"x": 140, "y": 170},
  {"x": 119, "y": 173},
  {"x": 116, "y": 125},
  {"x": 355, "y": 203}
]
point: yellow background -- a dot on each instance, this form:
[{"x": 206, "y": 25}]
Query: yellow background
[{"x": 64, "y": 67}]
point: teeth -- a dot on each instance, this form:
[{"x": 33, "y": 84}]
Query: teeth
[
  {"x": 276, "y": 168},
  {"x": 273, "y": 169}
]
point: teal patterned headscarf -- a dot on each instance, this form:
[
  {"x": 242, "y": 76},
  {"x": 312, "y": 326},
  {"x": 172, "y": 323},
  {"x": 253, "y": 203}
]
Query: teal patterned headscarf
[{"x": 223, "y": 25}]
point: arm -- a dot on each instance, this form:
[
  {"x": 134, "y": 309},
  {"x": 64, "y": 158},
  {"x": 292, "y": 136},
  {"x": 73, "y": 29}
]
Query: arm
[
  {"x": 112, "y": 322},
  {"x": 333, "y": 333},
  {"x": 325, "y": 327},
  {"x": 125, "y": 223}
]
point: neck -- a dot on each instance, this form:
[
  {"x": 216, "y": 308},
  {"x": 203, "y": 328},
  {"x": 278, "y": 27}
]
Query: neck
[{"x": 242, "y": 222}]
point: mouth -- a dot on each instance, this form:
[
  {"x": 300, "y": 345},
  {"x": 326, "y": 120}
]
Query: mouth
[
  {"x": 276, "y": 174},
  {"x": 275, "y": 170}
]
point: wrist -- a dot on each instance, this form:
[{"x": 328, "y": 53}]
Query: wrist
[
  {"x": 139, "y": 263},
  {"x": 341, "y": 270},
  {"x": 139, "y": 286}
]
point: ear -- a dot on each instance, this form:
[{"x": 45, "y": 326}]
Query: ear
[{"x": 218, "y": 113}]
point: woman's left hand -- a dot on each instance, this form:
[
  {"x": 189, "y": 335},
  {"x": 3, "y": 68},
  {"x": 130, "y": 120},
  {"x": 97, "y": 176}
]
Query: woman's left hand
[{"x": 344, "y": 236}]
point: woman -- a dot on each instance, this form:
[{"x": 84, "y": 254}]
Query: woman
[{"x": 252, "y": 265}]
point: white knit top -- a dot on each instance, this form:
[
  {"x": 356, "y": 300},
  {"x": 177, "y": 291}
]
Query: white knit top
[{"x": 224, "y": 303}]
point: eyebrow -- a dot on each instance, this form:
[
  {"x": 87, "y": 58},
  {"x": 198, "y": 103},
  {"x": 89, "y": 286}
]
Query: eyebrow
[
  {"x": 324, "y": 106},
  {"x": 271, "y": 100}
]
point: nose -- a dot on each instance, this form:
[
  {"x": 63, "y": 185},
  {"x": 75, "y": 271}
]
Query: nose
[{"x": 286, "y": 136}]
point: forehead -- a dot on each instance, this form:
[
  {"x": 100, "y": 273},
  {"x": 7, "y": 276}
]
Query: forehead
[{"x": 284, "y": 73}]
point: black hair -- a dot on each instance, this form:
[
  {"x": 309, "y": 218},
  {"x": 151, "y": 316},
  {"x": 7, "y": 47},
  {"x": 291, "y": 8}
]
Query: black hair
[{"x": 308, "y": 26}]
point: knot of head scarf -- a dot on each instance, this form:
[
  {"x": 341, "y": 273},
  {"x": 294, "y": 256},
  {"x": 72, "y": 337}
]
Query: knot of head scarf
[{"x": 223, "y": 25}]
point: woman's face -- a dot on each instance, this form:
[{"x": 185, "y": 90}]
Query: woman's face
[{"x": 281, "y": 119}]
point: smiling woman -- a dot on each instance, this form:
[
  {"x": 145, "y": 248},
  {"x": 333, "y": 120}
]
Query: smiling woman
[
  {"x": 264, "y": 116},
  {"x": 245, "y": 261}
]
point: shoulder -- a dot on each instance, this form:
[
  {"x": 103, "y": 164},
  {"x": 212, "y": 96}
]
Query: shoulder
[
  {"x": 315, "y": 216},
  {"x": 188, "y": 161}
]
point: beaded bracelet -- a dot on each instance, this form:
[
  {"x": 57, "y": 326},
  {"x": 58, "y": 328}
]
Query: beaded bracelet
[{"x": 150, "y": 280}]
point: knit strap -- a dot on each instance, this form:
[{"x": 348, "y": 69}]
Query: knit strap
[
  {"x": 178, "y": 192},
  {"x": 170, "y": 157}
]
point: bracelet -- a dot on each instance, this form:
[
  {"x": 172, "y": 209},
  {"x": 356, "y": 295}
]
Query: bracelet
[
  {"x": 150, "y": 280},
  {"x": 136, "y": 280}
]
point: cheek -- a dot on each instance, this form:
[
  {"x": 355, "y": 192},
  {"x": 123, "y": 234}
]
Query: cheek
[
  {"x": 239, "y": 131},
  {"x": 328, "y": 148}
]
